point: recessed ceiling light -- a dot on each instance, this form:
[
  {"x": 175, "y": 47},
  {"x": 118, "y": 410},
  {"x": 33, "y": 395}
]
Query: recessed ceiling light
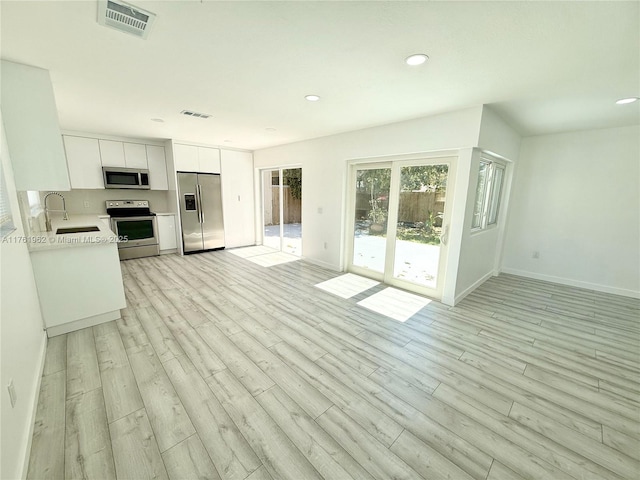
[
  {"x": 159, "y": 120},
  {"x": 624, "y": 101},
  {"x": 312, "y": 98},
  {"x": 416, "y": 59}
]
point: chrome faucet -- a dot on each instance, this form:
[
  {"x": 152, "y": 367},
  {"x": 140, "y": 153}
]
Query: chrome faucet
[{"x": 47, "y": 218}]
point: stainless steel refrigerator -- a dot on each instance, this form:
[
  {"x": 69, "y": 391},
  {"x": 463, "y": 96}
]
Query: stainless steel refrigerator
[{"x": 201, "y": 211}]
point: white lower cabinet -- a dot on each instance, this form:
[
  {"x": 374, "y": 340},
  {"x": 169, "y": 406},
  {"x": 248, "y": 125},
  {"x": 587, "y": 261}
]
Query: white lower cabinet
[{"x": 167, "y": 231}]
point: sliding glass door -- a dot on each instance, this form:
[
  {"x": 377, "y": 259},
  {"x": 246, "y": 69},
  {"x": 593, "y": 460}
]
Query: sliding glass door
[
  {"x": 282, "y": 209},
  {"x": 400, "y": 222}
]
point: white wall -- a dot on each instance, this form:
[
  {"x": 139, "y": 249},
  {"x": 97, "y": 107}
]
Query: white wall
[
  {"x": 324, "y": 169},
  {"x": 480, "y": 251},
  {"x": 576, "y": 201},
  {"x": 23, "y": 339}
]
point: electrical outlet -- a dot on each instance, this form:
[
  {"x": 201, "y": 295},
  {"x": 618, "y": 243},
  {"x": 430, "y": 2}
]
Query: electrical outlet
[
  {"x": 86, "y": 204},
  {"x": 12, "y": 393},
  {"x": 536, "y": 255},
  {"x": 325, "y": 245},
  {"x": 320, "y": 210}
]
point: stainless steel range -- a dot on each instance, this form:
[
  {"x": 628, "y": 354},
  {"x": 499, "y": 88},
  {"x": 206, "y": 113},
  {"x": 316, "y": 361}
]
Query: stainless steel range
[{"x": 136, "y": 228}]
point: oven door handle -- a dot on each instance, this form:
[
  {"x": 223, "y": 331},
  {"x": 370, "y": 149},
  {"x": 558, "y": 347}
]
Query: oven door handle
[{"x": 200, "y": 212}]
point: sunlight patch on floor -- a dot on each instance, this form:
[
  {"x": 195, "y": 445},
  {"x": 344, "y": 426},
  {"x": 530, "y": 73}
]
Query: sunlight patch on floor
[
  {"x": 395, "y": 303},
  {"x": 271, "y": 259},
  {"x": 347, "y": 286},
  {"x": 246, "y": 252}
]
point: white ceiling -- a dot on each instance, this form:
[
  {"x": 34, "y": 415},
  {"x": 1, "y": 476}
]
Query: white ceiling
[{"x": 545, "y": 66}]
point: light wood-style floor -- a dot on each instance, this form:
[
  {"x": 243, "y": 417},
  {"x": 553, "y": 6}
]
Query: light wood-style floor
[{"x": 224, "y": 369}]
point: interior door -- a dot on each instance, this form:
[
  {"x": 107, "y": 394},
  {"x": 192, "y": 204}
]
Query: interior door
[
  {"x": 401, "y": 222},
  {"x": 210, "y": 193},
  {"x": 190, "y": 212}
]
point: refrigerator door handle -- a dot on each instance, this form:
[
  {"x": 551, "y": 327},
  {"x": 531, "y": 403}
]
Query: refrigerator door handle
[{"x": 200, "y": 211}]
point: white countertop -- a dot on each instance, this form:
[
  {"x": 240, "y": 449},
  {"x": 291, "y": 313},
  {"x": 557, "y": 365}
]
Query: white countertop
[{"x": 51, "y": 241}]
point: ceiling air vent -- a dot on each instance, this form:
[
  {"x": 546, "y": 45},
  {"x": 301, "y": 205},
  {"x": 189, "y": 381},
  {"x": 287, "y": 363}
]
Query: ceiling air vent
[
  {"x": 189, "y": 113},
  {"x": 124, "y": 17}
]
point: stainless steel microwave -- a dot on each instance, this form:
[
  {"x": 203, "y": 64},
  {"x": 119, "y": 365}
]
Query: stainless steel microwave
[{"x": 116, "y": 177}]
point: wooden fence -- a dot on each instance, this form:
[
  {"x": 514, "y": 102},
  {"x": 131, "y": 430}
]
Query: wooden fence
[
  {"x": 414, "y": 206},
  {"x": 292, "y": 207}
]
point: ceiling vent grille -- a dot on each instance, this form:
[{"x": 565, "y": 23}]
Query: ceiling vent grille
[
  {"x": 125, "y": 17},
  {"x": 189, "y": 113}
]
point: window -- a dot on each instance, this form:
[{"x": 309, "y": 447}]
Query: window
[
  {"x": 6, "y": 220},
  {"x": 488, "y": 193}
]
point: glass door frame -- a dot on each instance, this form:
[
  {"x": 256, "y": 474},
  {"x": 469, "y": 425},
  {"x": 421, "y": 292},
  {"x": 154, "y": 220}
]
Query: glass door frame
[
  {"x": 280, "y": 170},
  {"x": 396, "y": 164}
]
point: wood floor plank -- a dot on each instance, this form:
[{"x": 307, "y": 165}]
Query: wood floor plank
[
  {"x": 380, "y": 462},
  {"x": 623, "y": 443},
  {"x": 47, "y": 458},
  {"x": 166, "y": 413},
  {"x": 592, "y": 449},
  {"x": 135, "y": 450},
  {"x": 260, "y": 474},
  {"x": 87, "y": 443},
  {"x": 230, "y": 452},
  {"x": 278, "y": 454},
  {"x": 242, "y": 367},
  {"x": 163, "y": 341},
  {"x": 429, "y": 417},
  {"x": 379, "y": 425},
  {"x": 121, "y": 394},
  {"x": 322, "y": 451},
  {"x": 310, "y": 399},
  {"x": 56, "y": 356},
  {"x": 188, "y": 460},
  {"x": 83, "y": 374},
  {"x": 425, "y": 460},
  {"x": 500, "y": 472},
  {"x": 526, "y": 452}
]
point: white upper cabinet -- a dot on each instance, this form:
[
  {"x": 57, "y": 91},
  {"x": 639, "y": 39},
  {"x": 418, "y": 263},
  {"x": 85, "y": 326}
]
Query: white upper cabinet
[
  {"x": 209, "y": 160},
  {"x": 112, "y": 153},
  {"x": 86, "y": 157},
  {"x": 123, "y": 154},
  {"x": 157, "y": 168},
  {"x": 185, "y": 157},
  {"x": 83, "y": 158},
  {"x": 30, "y": 120},
  {"x": 190, "y": 158},
  {"x": 238, "y": 198},
  {"x": 135, "y": 155}
]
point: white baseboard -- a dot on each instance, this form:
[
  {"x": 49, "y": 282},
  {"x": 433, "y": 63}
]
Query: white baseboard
[
  {"x": 320, "y": 263},
  {"x": 84, "y": 323},
  {"x": 475, "y": 285},
  {"x": 34, "y": 408},
  {"x": 573, "y": 283}
]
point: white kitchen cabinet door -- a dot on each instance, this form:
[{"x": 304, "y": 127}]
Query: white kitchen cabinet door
[
  {"x": 185, "y": 157},
  {"x": 135, "y": 155},
  {"x": 238, "y": 205},
  {"x": 157, "y": 168},
  {"x": 167, "y": 232},
  {"x": 112, "y": 153},
  {"x": 31, "y": 127},
  {"x": 209, "y": 160},
  {"x": 83, "y": 160}
]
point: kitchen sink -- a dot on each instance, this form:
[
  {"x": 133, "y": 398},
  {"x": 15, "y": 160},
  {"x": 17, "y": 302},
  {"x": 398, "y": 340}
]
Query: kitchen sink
[{"x": 77, "y": 230}]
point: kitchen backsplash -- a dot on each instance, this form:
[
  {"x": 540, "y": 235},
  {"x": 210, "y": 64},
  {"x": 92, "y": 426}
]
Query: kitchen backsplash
[{"x": 95, "y": 199}]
